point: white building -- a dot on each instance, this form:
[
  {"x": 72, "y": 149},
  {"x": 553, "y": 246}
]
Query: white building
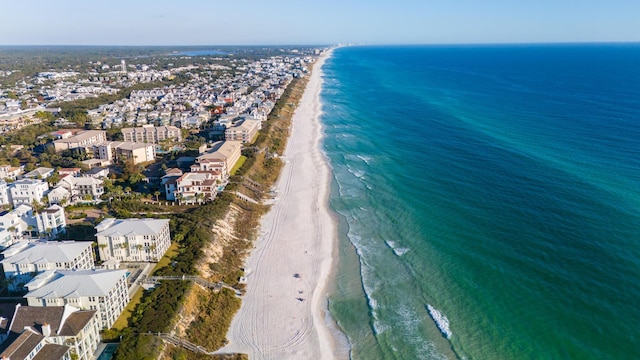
[
  {"x": 133, "y": 239},
  {"x": 26, "y": 191},
  {"x": 196, "y": 187},
  {"x": 58, "y": 332},
  {"x": 102, "y": 290},
  {"x": 4, "y": 193},
  {"x": 10, "y": 172},
  {"x": 23, "y": 259},
  {"x": 51, "y": 221},
  {"x": 83, "y": 188},
  {"x": 23, "y": 221}
]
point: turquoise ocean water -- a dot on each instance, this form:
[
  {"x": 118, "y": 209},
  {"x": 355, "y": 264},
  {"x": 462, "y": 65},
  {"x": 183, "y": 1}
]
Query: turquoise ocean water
[{"x": 499, "y": 184}]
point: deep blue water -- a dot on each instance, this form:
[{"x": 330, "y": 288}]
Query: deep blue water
[{"x": 501, "y": 185}]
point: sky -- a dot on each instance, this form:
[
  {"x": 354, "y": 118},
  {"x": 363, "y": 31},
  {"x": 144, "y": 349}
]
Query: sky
[{"x": 320, "y": 22}]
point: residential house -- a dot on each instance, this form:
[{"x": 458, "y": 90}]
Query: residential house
[
  {"x": 82, "y": 188},
  {"x": 59, "y": 195},
  {"x": 97, "y": 172},
  {"x": 24, "y": 221},
  {"x": 39, "y": 173},
  {"x": 133, "y": 239},
  {"x": 102, "y": 290},
  {"x": 52, "y": 333},
  {"x": 69, "y": 171},
  {"x": 169, "y": 182},
  {"x": 197, "y": 187},
  {"x": 24, "y": 259},
  {"x": 26, "y": 191},
  {"x": 82, "y": 140},
  {"x": 10, "y": 172}
]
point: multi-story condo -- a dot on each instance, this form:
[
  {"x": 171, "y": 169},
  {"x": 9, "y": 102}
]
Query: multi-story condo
[
  {"x": 26, "y": 191},
  {"x": 152, "y": 134},
  {"x": 101, "y": 290},
  {"x": 52, "y": 333},
  {"x": 83, "y": 139},
  {"x": 133, "y": 239},
  {"x": 24, "y": 259},
  {"x": 244, "y": 131},
  {"x": 222, "y": 156},
  {"x": 139, "y": 152}
]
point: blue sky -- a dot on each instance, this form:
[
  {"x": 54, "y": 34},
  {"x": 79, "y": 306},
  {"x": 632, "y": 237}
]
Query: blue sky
[{"x": 244, "y": 22}]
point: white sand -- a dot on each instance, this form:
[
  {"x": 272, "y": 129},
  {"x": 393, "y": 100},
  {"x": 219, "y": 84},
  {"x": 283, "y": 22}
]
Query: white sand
[{"x": 284, "y": 312}]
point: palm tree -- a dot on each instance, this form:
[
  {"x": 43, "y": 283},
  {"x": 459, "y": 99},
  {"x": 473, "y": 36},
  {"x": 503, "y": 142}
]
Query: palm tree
[{"x": 157, "y": 194}]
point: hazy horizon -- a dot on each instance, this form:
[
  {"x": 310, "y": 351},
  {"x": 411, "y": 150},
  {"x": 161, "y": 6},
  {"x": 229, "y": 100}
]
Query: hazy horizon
[{"x": 288, "y": 22}]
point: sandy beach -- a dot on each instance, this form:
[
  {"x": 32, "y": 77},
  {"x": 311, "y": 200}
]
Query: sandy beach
[{"x": 284, "y": 312}]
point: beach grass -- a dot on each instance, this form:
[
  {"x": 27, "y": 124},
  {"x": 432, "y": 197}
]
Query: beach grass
[{"x": 123, "y": 320}]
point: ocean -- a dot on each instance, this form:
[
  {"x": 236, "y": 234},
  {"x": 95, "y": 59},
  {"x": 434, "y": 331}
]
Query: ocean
[{"x": 497, "y": 184}]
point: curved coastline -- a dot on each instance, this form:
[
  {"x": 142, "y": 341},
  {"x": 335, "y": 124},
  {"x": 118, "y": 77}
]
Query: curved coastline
[{"x": 284, "y": 313}]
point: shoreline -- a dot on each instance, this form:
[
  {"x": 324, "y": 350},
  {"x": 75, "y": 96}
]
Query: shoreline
[{"x": 284, "y": 313}]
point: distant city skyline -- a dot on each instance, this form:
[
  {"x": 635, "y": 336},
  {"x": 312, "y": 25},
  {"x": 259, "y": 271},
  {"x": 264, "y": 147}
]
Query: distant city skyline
[{"x": 280, "y": 22}]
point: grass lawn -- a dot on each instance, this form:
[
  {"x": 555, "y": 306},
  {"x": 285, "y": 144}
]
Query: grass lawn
[
  {"x": 238, "y": 164},
  {"x": 123, "y": 320},
  {"x": 166, "y": 259}
]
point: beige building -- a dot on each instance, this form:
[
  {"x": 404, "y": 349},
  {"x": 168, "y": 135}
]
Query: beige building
[
  {"x": 152, "y": 134},
  {"x": 139, "y": 152},
  {"x": 222, "y": 156},
  {"x": 244, "y": 131},
  {"x": 83, "y": 139}
]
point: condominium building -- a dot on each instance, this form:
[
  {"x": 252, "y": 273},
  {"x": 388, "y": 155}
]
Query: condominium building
[
  {"x": 83, "y": 139},
  {"x": 24, "y": 259},
  {"x": 133, "y": 239},
  {"x": 102, "y": 290},
  {"x": 152, "y": 134},
  {"x": 244, "y": 131},
  {"x": 112, "y": 151},
  {"x": 222, "y": 156}
]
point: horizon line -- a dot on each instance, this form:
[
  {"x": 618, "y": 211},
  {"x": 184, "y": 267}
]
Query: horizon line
[{"x": 339, "y": 44}]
